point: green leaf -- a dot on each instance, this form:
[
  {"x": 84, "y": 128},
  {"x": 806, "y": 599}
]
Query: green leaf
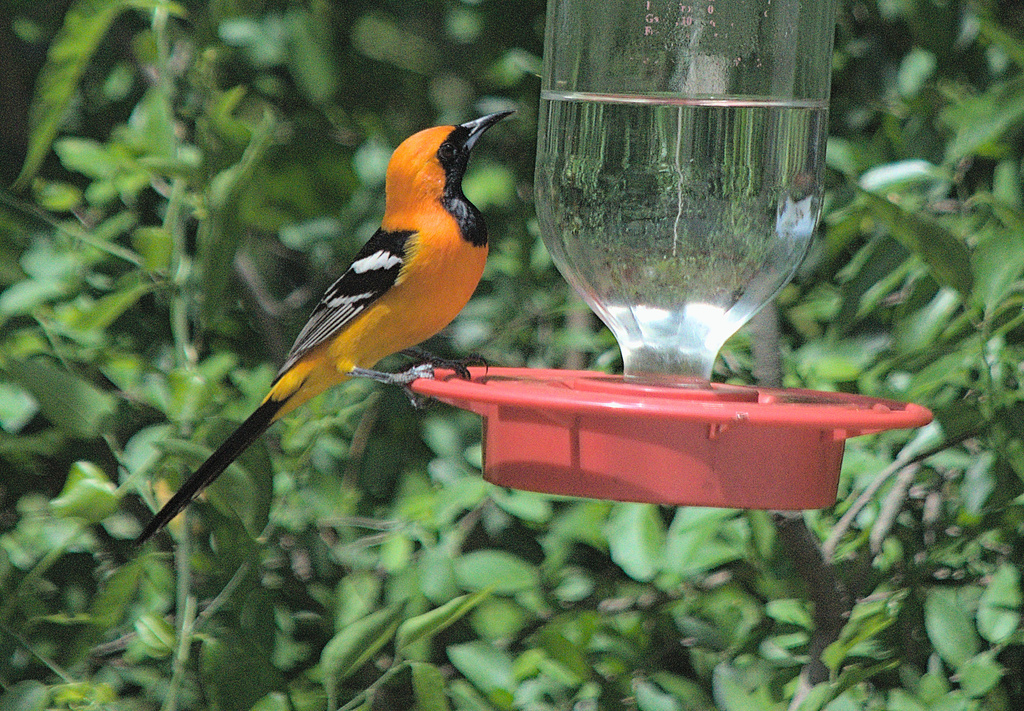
[
  {"x": 790, "y": 611},
  {"x": 565, "y": 641},
  {"x": 87, "y": 494},
  {"x": 945, "y": 255},
  {"x": 356, "y": 597},
  {"x": 915, "y": 70},
  {"x": 582, "y": 521},
  {"x": 900, "y": 700},
  {"x": 155, "y": 635},
  {"x": 428, "y": 687},
  {"x": 900, "y": 175},
  {"x": 356, "y": 643},
  {"x": 731, "y": 694},
  {"x": 935, "y": 685},
  {"x": 650, "y": 698},
  {"x": 93, "y": 159},
  {"x": 54, "y": 273},
  {"x": 311, "y": 59},
  {"x": 467, "y": 698},
  {"x": 56, "y": 196},
  {"x": 103, "y": 312},
  {"x": 24, "y": 296},
  {"x": 84, "y": 695},
  {"x": 236, "y": 671},
  {"x": 981, "y": 121},
  {"x": 846, "y": 156},
  {"x": 1007, "y": 196},
  {"x": 851, "y": 676},
  {"x": 437, "y": 573},
  {"x": 692, "y": 545},
  {"x": 85, "y": 24},
  {"x": 396, "y": 552},
  {"x": 490, "y": 184},
  {"x": 636, "y": 539},
  {"x": 878, "y": 269},
  {"x": 980, "y": 674},
  {"x": 1000, "y": 37},
  {"x": 26, "y": 695},
  {"x": 432, "y": 622},
  {"x": 687, "y": 690},
  {"x": 107, "y": 609},
  {"x": 277, "y": 701},
  {"x": 999, "y": 610},
  {"x": 151, "y": 132},
  {"x": 69, "y": 402},
  {"x": 501, "y": 571},
  {"x": 524, "y": 505},
  {"x": 950, "y": 627},
  {"x": 155, "y": 245},
  {"x": 920, "y": 329},
  {"x": 867, "y": 620},
  {"x": 499, "y": 617},
  {"x": 17, "y": 407},
  {"x": 487, "y": 667},
  {"x": 221, "y": 233},
  {"x": 998, "y": 266}
]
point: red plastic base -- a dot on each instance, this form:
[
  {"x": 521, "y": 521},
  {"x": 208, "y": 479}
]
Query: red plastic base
[{"x": 590, "y": 434}]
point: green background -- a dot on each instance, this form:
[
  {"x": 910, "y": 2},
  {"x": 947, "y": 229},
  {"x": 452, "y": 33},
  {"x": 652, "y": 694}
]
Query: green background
[{"x": 181, "y": 181}]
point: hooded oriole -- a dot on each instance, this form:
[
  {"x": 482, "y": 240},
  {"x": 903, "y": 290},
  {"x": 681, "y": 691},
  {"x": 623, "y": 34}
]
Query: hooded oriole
[{"x": 407, "y": 282}]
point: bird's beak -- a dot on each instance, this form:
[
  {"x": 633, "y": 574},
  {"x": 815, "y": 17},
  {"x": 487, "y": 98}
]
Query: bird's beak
[{"x": 477, "y": 127}]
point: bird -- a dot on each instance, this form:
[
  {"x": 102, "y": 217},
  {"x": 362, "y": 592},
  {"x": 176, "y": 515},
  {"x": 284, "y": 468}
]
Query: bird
[{"x": 409, "y": 281}]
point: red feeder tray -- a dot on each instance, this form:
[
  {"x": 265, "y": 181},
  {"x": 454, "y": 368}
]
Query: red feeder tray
[{"x": 589, "y": 434}]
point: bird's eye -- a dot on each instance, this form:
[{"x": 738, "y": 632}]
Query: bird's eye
[{"x": 445, "y": 152}]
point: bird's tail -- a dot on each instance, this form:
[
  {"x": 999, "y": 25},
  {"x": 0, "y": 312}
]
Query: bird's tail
[{"x": 239, "y": 440}]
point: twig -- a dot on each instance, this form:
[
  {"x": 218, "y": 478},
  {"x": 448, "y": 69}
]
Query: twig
[
  {"x": 825, "y": 590},
  {"x": 48, "y": 663},
  {"x": 576, "y": 321},
  {"x": 764, "y": 337},
  {"x": 361, "y": 438},
  {"x": 181, "y": 654},
  {"x": 366, "y": 695},
  {"x": 268, "y": 311},
  {"x": 903, "y": 459},
  {"x": 222, "y": 597},
  {"x": 892, "y": 505},
  {"x": 185, "y": 604},
  {"x": 827, "y": 594}
]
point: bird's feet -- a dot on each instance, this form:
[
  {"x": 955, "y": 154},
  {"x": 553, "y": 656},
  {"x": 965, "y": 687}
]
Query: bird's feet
[
  {"x": 424, "y": 369},
  {"x": 403, "y": 379},
  {"x": 460, "y": 366}
]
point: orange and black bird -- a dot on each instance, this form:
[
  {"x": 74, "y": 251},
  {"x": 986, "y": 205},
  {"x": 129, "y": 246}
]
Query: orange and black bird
[{"x": 407, "y": 282}]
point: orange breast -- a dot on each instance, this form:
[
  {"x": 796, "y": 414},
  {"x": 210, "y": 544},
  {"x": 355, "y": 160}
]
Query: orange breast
[{"x": 429, "y": 294}]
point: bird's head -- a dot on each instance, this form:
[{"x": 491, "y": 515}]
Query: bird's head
[{"x": 429, "y": 165}]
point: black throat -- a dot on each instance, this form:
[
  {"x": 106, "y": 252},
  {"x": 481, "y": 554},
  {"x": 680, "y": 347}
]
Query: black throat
[
  {"x": 469, "y": 219},
  {"x": 453, "y": 157}
]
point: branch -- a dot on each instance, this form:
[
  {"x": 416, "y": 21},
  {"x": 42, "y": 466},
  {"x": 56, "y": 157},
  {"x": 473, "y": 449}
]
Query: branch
[
  {"x": 764, "y": 337},
  {"x": 831, "y": 603},
  {"x": 825, "y": 590},
  {"x": 904, "y": 459}
]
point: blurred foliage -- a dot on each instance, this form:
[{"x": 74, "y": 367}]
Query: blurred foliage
[{"x": 184, "y": 179}]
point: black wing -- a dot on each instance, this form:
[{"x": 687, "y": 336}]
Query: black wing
[{"x": 373, "y": 271}]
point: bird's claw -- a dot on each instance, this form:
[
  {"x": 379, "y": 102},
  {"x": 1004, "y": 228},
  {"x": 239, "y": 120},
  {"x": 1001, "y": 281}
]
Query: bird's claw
[
  {"x": 460, "y": 366},
  {"x": 423, "y": 370},
  {"x": 409, "y": 375},
  {"x": 420, "y": 370},
  {"x": 404, "y": 379}
]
